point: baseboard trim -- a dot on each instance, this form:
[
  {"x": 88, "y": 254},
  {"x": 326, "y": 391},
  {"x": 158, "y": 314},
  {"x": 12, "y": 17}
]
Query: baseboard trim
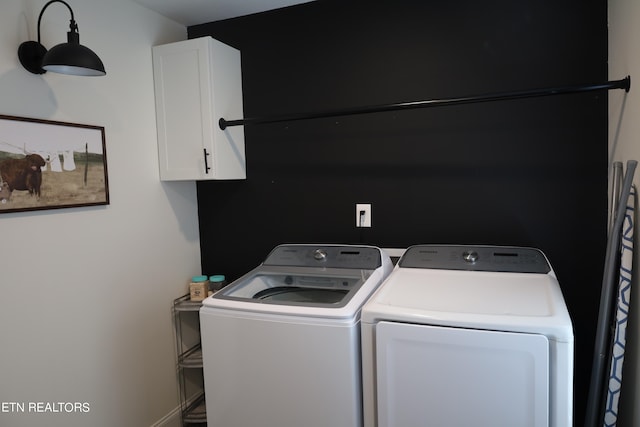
[{"x": 172, "y": 419}]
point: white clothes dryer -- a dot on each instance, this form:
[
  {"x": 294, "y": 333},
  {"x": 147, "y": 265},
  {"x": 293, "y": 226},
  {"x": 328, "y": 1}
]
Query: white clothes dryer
[
  {"x": 461, "y": 336},
  {"x": 281, "y": 345}
]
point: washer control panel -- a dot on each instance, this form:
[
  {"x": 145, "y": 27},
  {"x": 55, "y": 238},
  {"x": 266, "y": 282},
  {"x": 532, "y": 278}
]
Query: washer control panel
[
  {"x": 476, "y": 258},
  {"x": 357, "y": 257}
]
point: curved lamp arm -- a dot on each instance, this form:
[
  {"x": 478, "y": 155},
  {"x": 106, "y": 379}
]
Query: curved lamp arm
[
  {"x": 66, "y": 58},
  {"x": 72, "y": 24}
]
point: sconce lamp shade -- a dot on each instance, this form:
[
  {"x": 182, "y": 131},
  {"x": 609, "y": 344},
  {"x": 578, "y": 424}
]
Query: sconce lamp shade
[
  {"x": 73, "y": 58},
  {"x": 66, "y": 58}
]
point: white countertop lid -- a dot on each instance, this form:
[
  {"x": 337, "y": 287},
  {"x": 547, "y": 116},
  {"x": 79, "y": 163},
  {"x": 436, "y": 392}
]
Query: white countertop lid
[{"x": 517, "y": 302}]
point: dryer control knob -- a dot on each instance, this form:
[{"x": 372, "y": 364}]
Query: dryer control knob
[
  {"x": 320, "y": 254},
  {"x": 470, "y": 256}
]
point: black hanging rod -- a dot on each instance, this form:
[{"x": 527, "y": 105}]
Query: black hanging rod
[{"x": 615, "y": 84}]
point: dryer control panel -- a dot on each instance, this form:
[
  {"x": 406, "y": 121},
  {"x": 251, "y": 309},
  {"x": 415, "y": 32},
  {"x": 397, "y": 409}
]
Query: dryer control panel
[{"x": 476, "y": 258}]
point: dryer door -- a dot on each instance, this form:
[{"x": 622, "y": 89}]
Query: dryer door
[{"x": 443, "y": 376}]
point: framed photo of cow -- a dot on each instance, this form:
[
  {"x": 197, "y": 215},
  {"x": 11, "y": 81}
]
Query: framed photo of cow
[{"x": 46, "y": 164}]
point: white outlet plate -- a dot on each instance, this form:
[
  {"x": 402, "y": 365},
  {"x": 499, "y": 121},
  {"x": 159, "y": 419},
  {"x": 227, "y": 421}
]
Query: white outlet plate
[{"x": 363, "y": 215}]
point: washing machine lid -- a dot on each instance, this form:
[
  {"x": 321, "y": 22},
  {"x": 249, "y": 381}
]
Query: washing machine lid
[
  {"x": 494, "y": 288},
  {"x": 296, "y": 286},
  {"x": 313, "y": 280}
]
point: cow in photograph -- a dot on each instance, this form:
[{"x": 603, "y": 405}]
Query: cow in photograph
[{"x": 23, "y": 174}]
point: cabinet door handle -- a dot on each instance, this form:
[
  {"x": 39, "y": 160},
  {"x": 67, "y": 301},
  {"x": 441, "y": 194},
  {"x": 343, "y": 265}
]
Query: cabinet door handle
[{"x": 206, "y": 163}]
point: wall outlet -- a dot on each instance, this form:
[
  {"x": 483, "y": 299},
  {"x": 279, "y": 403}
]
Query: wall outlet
[{"x": 363, "y": 215}]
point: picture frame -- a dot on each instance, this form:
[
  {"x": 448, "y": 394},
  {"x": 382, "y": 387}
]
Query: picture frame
[{"x": 46, "y": 164}]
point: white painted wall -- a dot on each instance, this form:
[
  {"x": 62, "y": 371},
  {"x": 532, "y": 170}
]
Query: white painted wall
[
  {"x": 85, "y": 293},
  {"x": 624, "y": 145}
]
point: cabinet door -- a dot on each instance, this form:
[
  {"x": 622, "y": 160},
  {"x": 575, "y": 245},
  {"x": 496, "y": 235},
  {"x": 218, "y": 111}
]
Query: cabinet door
[{"x": 197, "y": 82}]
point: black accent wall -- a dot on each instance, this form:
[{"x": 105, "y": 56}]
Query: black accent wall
[{"x": 527, "y": 172}]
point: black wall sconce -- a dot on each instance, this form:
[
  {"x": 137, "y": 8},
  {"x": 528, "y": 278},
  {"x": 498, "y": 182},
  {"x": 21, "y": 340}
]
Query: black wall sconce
[{"x": 65, "y": 58}]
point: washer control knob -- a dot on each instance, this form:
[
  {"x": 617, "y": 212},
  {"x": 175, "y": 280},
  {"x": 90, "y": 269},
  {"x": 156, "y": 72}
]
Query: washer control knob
[
  {"x": 320, "y": 255},
  {"x": 470, "y": 256}
]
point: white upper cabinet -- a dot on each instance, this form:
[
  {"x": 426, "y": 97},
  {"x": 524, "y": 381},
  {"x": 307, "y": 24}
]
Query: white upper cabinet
[{"x": 197, "y": 82}]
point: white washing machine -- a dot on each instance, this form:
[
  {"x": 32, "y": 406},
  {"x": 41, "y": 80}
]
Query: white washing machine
[
  {"x": 461, "y": 336},
  {"x": 281, "y": 345}
]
